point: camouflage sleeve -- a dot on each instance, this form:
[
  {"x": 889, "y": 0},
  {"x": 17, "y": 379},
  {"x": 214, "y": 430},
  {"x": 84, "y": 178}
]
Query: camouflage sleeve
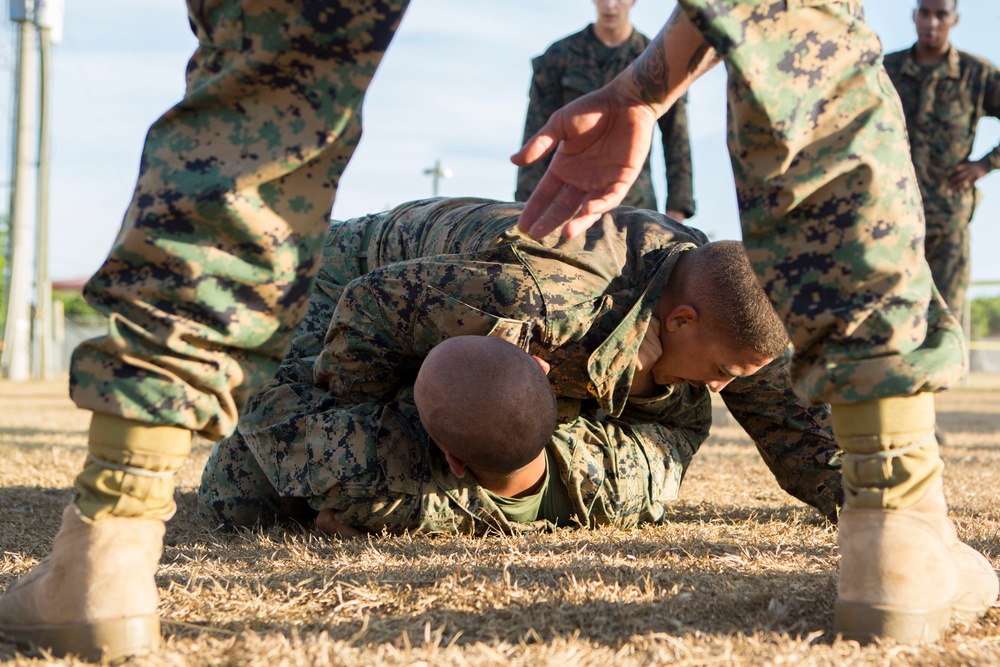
[
  {"x": 991, "y": 107},
  {"x": 624, "y": 469},
  {"x": 359, "y": 460},
  {"x": 543, "y": 101},
  {"x": 677, "y": 422},
  {"x": 389, "y": 319},
  {"x": 795, "y": 439},
  {"x": 677, "y": 155}
]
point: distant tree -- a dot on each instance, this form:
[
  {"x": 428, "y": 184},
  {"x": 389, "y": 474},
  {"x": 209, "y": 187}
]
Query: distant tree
[
  {"x": 985, "y": 317},
  {"x": 74, "y": 305}
]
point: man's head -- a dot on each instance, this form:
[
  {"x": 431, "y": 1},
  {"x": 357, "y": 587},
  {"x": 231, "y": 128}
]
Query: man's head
[
  {"x": 716, "y": 323},
  {"x": 486, "y": 403},
  {"x": 934, "y": 20},
  {"x": 613, "y": 15}
]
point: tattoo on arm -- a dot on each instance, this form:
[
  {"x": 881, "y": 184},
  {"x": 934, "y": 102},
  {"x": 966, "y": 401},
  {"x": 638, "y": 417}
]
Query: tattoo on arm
[{"x": 652, "y": 71}]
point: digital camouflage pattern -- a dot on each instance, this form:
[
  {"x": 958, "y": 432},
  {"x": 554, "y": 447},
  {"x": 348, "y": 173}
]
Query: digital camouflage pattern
[
  {"x": 212, "y": 268},
  {"x": 336, "y": 426},
  {"x": 828, "y": 199},
  {"x": 580, "y": 64},
  {"x": 943, "y": 106}
]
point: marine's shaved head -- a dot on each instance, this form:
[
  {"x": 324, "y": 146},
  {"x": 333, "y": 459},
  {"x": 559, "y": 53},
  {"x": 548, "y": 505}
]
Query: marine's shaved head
[{"x": 486, "y": 402}]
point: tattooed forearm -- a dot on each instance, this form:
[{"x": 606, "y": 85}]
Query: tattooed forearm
[
  {"x": 679, "y": 40},
  {"x": 652, "y": 72}
]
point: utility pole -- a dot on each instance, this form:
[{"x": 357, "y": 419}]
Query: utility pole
[
  {"x": 44, "y": 357},
  {"x": 46, "y": 16},
  {"x": 437, "y": 172},
  {"x": 17, "y": 337}
]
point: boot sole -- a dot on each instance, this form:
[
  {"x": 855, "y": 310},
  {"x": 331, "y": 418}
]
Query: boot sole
[
  {"x": 113, "y": 640},
  {"x": 865, "y": 623}
]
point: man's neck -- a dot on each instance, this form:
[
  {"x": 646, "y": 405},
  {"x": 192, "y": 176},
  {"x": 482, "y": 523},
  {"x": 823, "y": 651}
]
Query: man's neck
[
  {"x": 927, "y": 55},
  {"x": 610, "y": 37},
  {"x": 524, "y": 482}
]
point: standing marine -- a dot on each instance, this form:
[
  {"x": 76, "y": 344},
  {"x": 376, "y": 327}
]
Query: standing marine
[
  {"x": 585, "y": 61},
  {"x": 945, "y": 92}
]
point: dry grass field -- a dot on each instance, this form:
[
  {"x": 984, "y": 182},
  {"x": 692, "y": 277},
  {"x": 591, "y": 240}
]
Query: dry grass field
[{"x": 740, "y": 574}]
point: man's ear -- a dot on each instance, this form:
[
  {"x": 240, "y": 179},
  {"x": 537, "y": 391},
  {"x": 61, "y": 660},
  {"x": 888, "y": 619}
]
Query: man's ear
[
  {"x": 456, "y": 464},
  {"x": 679, "y": 317}
]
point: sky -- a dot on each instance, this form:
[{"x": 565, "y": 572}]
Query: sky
[{"x": 453, "y": 86}]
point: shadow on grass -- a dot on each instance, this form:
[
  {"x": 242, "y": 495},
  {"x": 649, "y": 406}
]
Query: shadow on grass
[
  {"x": 717, "y": 603},
  {"x": 459, "y": 590},
  {"x": 688, "y": 585},
  {"x": 31, "y": 516},
  {"x": 968, "y": 422}
]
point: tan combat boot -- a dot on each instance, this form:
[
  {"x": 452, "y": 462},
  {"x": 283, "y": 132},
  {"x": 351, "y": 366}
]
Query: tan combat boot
[
  {"x": 903, "y": 573},
  {"x": 95, "y": 594}
]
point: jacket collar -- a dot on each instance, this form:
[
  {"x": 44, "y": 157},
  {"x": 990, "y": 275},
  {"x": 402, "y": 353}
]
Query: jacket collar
[
  {"x": 612, "y": 365},
  {"x": 583, "y": 45},
  {"x": 949, "y": 68}
]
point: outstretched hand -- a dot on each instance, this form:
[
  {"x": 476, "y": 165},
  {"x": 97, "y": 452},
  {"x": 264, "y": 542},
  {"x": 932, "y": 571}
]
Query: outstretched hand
[{"x": 601, "y": 141}]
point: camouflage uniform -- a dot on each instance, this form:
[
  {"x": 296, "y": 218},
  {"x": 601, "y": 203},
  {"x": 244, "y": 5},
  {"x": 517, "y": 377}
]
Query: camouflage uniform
[
  {"x": 211, "y": 271},
  {"x": 943, "y": 106},
  {"x": 579, "y": 64},
  {"x": 828, "y": 199},
  {"x": 337, "y": 426}
]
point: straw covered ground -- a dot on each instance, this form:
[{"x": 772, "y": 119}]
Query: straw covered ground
[{"x": 740, "y": 574}]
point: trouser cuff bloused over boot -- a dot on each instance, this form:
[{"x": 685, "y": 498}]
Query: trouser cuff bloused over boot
[{"x": 903, "y": 572}]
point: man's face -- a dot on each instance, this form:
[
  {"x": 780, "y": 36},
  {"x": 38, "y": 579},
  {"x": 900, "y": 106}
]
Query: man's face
[
  {"x": 696, "y": 356},
  {"x": 613, "y": 14},
  {"x": 934, "y": 19}
]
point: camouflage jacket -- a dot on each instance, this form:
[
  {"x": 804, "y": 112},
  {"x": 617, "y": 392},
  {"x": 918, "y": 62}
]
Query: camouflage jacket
[
  {"x": 581, "y": 304},
  {"x": 579, "y": 64},
  {"x": 943, "y": 106}
]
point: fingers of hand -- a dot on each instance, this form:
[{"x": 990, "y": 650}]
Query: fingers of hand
[
  {"x": 536, "y": 148},
  {"x": 539, "y": 202},
  {"x": 562, "y": 208}
]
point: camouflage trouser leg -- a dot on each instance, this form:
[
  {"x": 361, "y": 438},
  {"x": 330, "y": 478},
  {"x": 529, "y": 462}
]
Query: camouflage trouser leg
[
  {"x": 830, "y": 208},
  {"x": 212, "y": 268},
  {"x": 949, "y": 255},
  {"x": 343, "y": 259},
  {"x": 364, "y": 461},
  {"x": 235, "y": 491}
]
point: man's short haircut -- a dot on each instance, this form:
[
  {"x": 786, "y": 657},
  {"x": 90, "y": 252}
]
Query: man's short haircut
[
  {"x": 721, "y": 285},
  {"x": 489, "y": 402},
  {"x": 954, "y": 5}
]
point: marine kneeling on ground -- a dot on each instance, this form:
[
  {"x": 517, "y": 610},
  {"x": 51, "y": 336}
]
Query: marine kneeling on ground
[{"x": 394, "y": 410}]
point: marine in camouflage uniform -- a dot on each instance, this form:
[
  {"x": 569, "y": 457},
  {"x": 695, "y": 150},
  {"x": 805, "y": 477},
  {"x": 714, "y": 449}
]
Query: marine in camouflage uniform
[
  {"x": 336, "y": 426},
  {"x": 833, "y": 223},
  {"x": 943, "y": 105},
  {"x": 579, "y": 64}
]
